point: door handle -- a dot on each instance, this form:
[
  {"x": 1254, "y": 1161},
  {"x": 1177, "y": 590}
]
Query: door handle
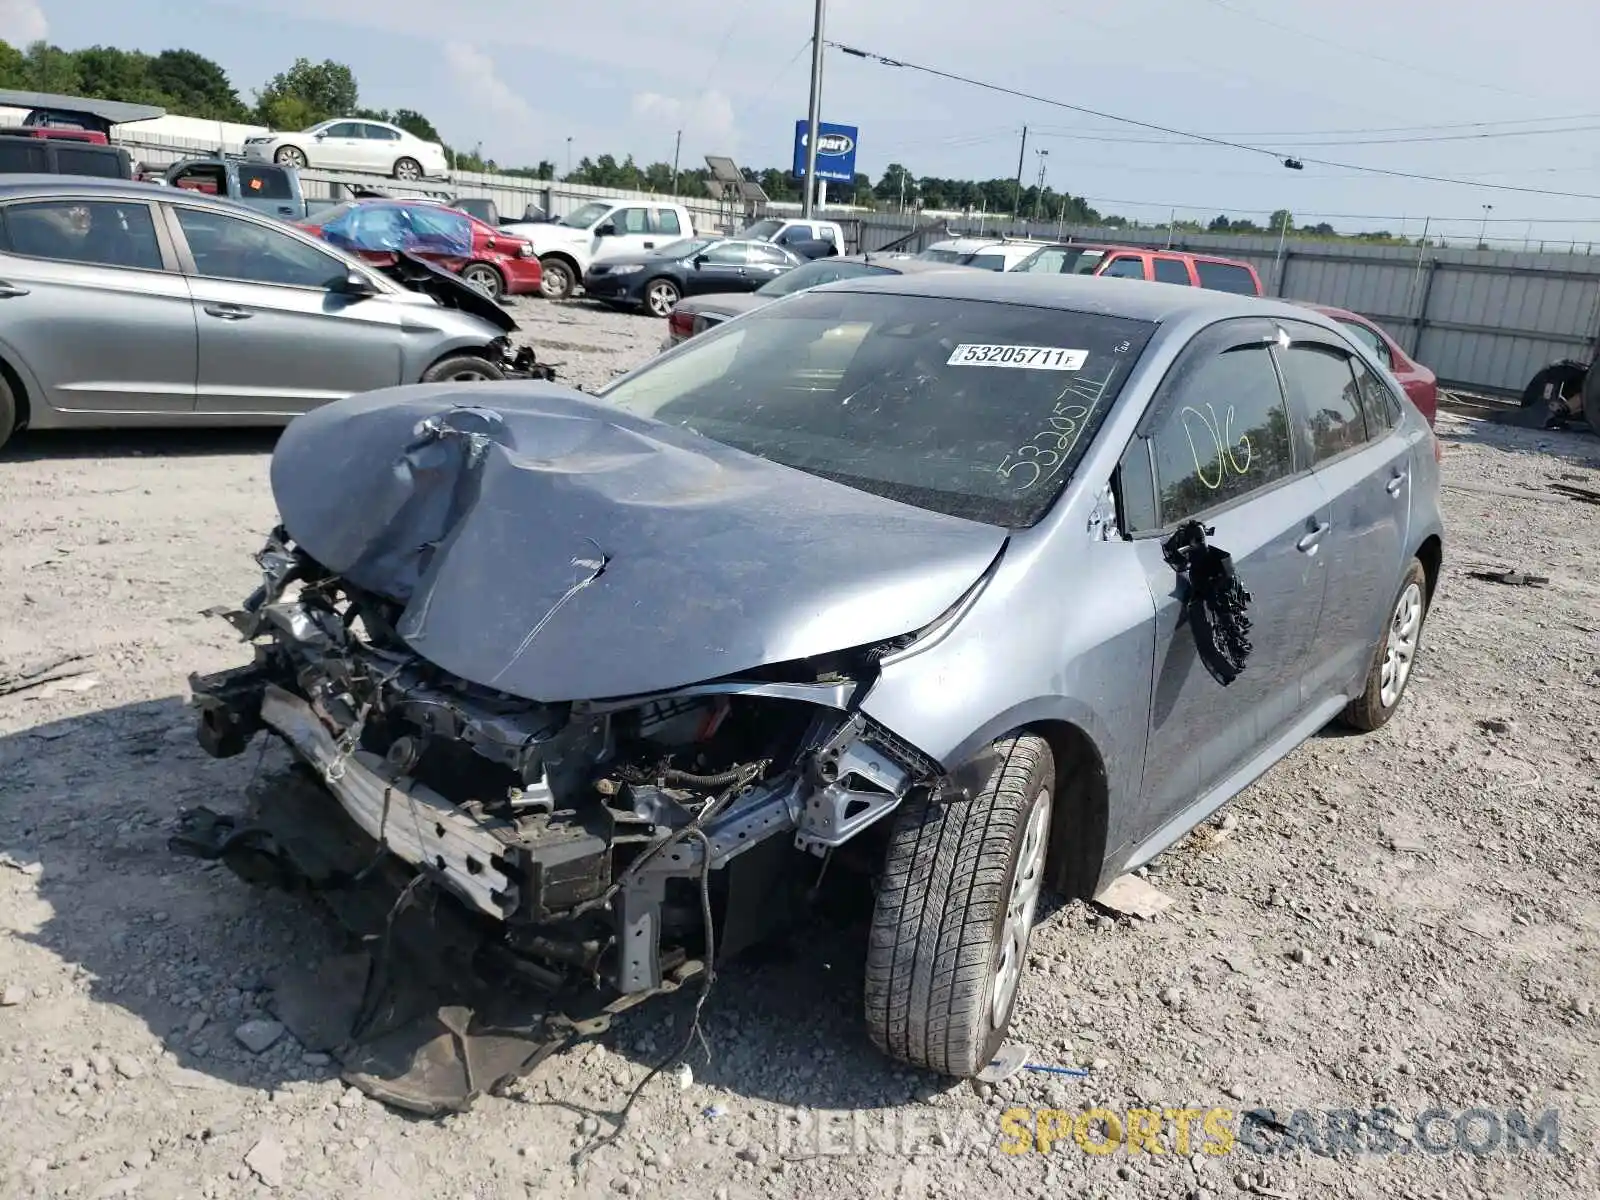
[
  {"x": 1394, "y": 485},
  {"x": 228, "y": 312},
  {"x": 1311, "y": 539},
  {"x": 9, "y": 291}
]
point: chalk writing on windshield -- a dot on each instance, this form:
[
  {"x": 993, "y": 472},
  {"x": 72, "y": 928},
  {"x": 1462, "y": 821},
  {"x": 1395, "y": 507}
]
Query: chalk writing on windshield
[
  {"x": 1053, "y": 447},
  {"x": 1215, "y": 449}
]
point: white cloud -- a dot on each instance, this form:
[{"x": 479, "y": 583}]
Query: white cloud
[
  {"x": 475, "y": 75},
  {"x": 22, "y": 21},
  {"x": 706, "y": 120}
]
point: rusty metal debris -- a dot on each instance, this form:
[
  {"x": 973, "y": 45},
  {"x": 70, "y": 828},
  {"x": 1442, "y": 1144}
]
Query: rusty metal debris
[{"x": 1511, "y": 577}]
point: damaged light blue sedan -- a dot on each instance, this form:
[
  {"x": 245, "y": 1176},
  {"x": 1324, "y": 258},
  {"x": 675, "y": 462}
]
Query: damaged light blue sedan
[{"x": 979, "y": 584}]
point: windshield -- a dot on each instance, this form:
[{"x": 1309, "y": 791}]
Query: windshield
[
  {"x": 813, "y": 274},
  {"x": 973, "y": 408},
  {"x": 1061, "y": 260},
  {"x": 585, "y": 216},
  {"x": 684, "y": 247},
  {"x": 762, "y": 230}
]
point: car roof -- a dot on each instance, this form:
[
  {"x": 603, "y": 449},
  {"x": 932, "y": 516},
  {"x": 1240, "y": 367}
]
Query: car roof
[
  {"x": 1124, "y": 248},
  {"x": 90, "y": 187},
  {"x": 1329, "y": 310},
  {"x": 1134, "y": 298}
]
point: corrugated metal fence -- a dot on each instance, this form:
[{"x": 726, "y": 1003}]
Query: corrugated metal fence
[{"x": 1482, "y": 320}]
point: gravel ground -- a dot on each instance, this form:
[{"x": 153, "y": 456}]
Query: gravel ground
[{"x": 1406, "y": 919}]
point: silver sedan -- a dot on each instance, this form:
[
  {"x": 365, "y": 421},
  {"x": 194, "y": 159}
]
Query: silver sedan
[{"x": 122, "y": 304}]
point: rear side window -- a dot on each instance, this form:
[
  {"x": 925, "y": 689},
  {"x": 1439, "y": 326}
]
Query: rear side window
[
  {"x": 105, "y": 233},
  {"x": 664, "y": 220},
  {"x": 1172, "y": 270},
  {"x": 1124, "y": 267},
  {"x": 1373, "y": 341},
  {"x": 632, "y": 220},
  {"x": 1222, "y": 433},
  {"x": 23, "y": 156},
  {"x": 1324, "y": 390},
  {"x": 89, "y": 160},
  {"x": 1379, "y": 405},
  {"x": 264, "y": 184},
  {"x": 1225, "y": 277},
  {"x": 768, "y": 254}
]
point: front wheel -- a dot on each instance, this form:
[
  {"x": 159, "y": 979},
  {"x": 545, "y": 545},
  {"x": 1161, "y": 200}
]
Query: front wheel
[
  {"x": 290, "y": 156},
  {"x": 407, "y": 168},
  {"x": 1394, "y": 657},
  {"x": 485, "y": 278},
  {"x": 8, "y": 413},
  {"x": 661, "y": 296},
  {"x": 463, "y": 368},
  {"x": 954, "y": 913},
  {"x": 556, "y": 279}
]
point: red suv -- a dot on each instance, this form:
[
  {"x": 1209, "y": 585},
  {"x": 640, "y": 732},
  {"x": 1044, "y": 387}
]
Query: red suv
[
  {"x": 1140, "y": 262},
  {"x": 493, "y": 261}
]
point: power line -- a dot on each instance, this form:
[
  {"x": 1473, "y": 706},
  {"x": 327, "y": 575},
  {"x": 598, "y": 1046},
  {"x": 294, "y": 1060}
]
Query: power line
[
  {"x": 1199, "y": 137},
  {"x": 1406, "y": 128},
  {"x": 1300, "y": 215},
  {"x": 1296, "y": 144}
]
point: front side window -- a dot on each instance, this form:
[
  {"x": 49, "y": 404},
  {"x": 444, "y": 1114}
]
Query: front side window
[
  {"x": 343, "y": 129},
  {"x": 1220, "y": 434},
  {"x": 226, "y": 247},
  {"x": 1325, "y": 392},
  {"x": 105, "y": 233},
  {"x": 977, "y": 409},
  {"x": 1124, "y": 267},
  {"x": 728, "y": 254}
]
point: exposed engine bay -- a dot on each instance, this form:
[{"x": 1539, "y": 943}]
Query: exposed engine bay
[{"x": 596, "y": 836}]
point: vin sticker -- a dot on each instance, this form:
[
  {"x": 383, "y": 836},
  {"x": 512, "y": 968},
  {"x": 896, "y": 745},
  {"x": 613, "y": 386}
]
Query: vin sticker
[{"x": 1027, "y": 358}]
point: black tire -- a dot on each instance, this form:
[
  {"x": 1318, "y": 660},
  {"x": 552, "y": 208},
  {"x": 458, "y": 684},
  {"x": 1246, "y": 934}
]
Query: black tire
[
  {"x": 290, "y": 156},
  {"x": 407, "y": 168},
  {"x": 940, "y": 931},
  {"x": 661, "y": 296},
  {"x": 464, "y": 368},
  {"x": 490, "y": 282},
  {"x": 1371, "y": 710},
  {"x": 1567, "y": 375},
  {"x": 8, "y": 412},
  {"x": 1591, "y": 400},
  {"x": 558, "y": 280}
]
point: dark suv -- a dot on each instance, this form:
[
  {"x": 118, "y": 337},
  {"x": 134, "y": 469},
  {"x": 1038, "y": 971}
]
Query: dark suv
[{"x": 21, "y": 154}]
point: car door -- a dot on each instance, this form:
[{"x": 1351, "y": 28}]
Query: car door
[
  {"x": 1124, "y": 266},
  {"x": 765, "y": 263},
  {"x": 1363, "y": 461},
  {"x": 380, "y": 148},
  {"x": 339, "y": 146},
  {"x": 666, "y": 227},
  {"x": 275, "y": 333},
  {"x": 1217, "y": 446},
  {"x": 93, "y": 306},
  {"x": 721, "y": 268}
]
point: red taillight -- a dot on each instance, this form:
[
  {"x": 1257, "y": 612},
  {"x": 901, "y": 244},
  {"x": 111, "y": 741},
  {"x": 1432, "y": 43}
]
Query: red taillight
[{"x": 681, "y": 323}]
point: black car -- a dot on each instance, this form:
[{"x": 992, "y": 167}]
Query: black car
[
  {"x": 693, "y": 316},
  {"x": 656, "y": 281}
]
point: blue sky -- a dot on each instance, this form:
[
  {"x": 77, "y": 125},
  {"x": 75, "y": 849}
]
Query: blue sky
[{"x": 622, "y": 76}]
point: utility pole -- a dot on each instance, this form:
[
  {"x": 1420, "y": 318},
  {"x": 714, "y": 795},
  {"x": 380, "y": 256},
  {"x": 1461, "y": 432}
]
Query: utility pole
[
  {"x": 569, "y": 156},
  {"x": 814, "y": 114},
  {"x": 1022, "y": 154},
  {"x": 1483, "y": 229},
  {"x": 1038, "y": 194},
  {"x": 676, "y": 147}
]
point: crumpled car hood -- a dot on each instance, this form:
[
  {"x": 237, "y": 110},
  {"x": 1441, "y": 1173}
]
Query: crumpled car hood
[{"x": 554, "y": 547}]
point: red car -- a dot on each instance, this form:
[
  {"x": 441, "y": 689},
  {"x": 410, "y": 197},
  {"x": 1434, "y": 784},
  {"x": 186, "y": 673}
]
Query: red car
[
  {"x": 1421, "y": 385},
  {"x": 491, "y": 260}
]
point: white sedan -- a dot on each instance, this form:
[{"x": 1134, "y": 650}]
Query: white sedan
[{"x": 349, "y": 145}]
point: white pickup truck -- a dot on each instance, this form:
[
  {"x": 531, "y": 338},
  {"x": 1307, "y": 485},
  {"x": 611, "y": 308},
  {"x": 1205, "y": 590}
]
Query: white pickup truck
[{"x": 599, "y": 229}]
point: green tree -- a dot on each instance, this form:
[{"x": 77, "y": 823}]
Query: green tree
[
  {"x": 1282, "y": 219},
  {"x": 195, "y": 86},
  {"x": 307, "y": 93},
  {"x": 48, "y": 68}
]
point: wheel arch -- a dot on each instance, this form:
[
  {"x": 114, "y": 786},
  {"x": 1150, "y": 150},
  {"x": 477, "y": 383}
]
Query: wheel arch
[
  {"x": 565, "y": 258},
  {"x": 1080, "y": 812},
  {"x": 484, "y": 350},
  {"x": 19, "y": 393},
  {"x": 1431, "y": 555}
]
